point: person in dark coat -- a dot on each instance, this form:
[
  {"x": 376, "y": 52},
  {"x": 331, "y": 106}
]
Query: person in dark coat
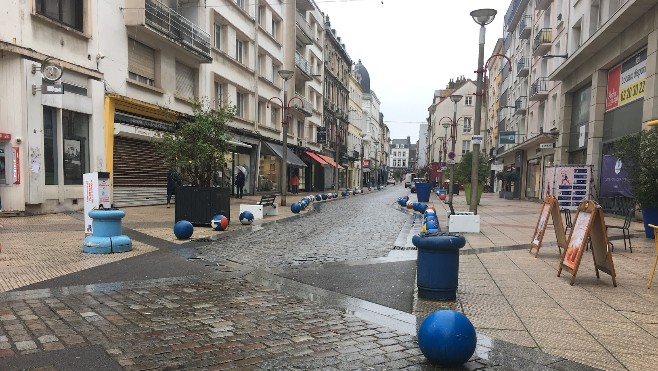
[
  {"x": 173, "y": 180},
  {"x": 239, "y": 183}
]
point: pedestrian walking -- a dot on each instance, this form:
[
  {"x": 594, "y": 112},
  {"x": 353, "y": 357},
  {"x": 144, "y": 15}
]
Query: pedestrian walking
[
  {"x": 173, "y": 181},
  {"x": 294, "y": 183},
  {"x": 239, "y": 183}
]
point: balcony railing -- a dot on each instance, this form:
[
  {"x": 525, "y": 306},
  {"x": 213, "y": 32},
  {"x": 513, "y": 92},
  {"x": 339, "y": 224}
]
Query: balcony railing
[
  {"x": 307, "y": 109},
  {"x": 539, "y": 89},
  {"x": 305, "y": 28},
  {"x": 177, "y": 28},
  {"x": 522, "y": 66},
  {"x": 303, "y": 66},
  {"x": 525, "y": 27},
  {"x": 514, "y": 12},
  {"x": 521, "y": 105},
  {"x": 542, "y": 42},
  {"x": 542, "y": 4}
]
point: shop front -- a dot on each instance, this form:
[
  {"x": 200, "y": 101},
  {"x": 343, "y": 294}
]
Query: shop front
[{"x": 269, "y": 168}]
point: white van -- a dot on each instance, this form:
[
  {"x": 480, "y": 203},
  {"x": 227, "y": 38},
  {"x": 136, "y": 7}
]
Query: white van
[{"x": 408, "y": 179}]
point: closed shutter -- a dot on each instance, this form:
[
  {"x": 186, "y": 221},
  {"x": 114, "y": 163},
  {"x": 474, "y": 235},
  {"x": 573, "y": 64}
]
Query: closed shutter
[
  {"x": 184, "y": 81},
  {"x": 141, "y": 59}
]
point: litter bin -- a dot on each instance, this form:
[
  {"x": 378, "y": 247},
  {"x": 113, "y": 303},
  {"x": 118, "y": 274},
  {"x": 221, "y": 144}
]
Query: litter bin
[
  {"x": 423, "y": 191},
  {"x": 437, "y": 266},
  {"x": 455, "y": 189}
]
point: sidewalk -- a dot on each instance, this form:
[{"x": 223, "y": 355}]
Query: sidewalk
[{"x": 506, "y": 292}]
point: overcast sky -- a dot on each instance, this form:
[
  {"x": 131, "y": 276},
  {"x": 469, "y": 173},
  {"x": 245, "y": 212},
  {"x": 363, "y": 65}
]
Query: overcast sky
[{"x": 412, "y": 48}]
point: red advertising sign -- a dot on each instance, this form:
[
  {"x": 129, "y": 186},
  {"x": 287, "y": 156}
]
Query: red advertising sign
[
  {"x": 366, "y": 164},
  {"x": 612, "y": 98},
  {"x": 4, "y": 137}
]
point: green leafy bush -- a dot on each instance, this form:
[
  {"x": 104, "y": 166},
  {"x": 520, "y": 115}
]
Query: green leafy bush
[{"x": 639, "y": 154}]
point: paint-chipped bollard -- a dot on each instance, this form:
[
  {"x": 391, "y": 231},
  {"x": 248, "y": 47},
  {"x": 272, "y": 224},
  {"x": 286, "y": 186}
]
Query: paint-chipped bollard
[
  {"x": 106, "y": 237},
  {"x": 438, "y": 264}
]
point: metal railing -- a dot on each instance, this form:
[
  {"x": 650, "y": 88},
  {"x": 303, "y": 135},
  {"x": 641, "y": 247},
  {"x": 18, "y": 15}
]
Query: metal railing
[
  {"x": 521, "y": 103},
  {"x": 524, "y": 24},
  {"x": 304, "y": 26},
  {"x": 544, "y": 36},
  {"x": 176, "y": 27},
  {"x": 522, "y": 63},
  {"x": 307, "y": 109},
  {"x": 303, "y": 64},
  {"x": 540, "y": 86}
]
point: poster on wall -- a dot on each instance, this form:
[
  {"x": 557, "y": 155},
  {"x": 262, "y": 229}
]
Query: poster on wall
[
  {"x": 569, "y": 184},
  {"x": 614, "y": 178},
  {"x": 626, "y": 81}
]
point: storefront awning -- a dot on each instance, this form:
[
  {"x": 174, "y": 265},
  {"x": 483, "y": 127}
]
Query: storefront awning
[
  {"x": 317, "y": 158},
  {"x": 277, "y": 150},
  {"x": 531, "y": 143},
  {"x": 331, "y": 162}
]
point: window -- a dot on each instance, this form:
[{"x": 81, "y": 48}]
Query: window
[
  {"x": 74, "y": 146},
  {"x": 141, "y": 63},
  {"x": 240, "y": 103},
  {"x": 240, "y": 4},
  {"x": 239, "y": 50},
  {"x": 261, "y": 15},
  {"x": 468, "y": 100},
  {"x": 184, "y": 81},
  {"x": 68, "y": 12},
  {"x": 261, "y": 112},
  {"x": 220, "y": 94},
  {"x": 262, "y": 68},
  {"x": 219, "y": 44},
  {"x": 404, "y": 163},
  {"x": 274, "y": 117},
  {"x": 467, "y": 124},
  {"x": 466, "y": 146},
  {"x": 275, "y": 29}
]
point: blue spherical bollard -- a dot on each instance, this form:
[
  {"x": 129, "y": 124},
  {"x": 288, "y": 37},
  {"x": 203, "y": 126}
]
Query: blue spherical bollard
[
  {"x": 183, "y": 229},
  {"x": 318, "y": 197},
  {"x": 246, "y": 217},
  {"x": 429, "y": 212},
  {"x": 296, "y": 207},
  {"x": 344, "y": 194},
  {"x": 432, "y": 225},
  {"x": 219, "y": 222},
  {"x": 325, "y": 196},
  {"x": 422, "y": 208},
  {"x": 447, "y": 338}
]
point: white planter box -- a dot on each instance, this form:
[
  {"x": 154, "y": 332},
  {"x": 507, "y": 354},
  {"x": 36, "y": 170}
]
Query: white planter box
[{"x": 464, "y": 221}]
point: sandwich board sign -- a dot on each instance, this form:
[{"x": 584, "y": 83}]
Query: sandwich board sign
[
  {"x": 588, "y": 227},
  {"x": 552, "y": 209}
]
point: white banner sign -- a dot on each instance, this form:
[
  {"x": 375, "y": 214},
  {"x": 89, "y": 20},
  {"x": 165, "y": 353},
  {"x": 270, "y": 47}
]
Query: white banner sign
[
  {"x": 476, "y": 139},
  {"x": 497, "y": 167}
]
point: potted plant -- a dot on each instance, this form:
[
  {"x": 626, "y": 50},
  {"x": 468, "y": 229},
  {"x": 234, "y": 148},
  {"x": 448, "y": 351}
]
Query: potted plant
[
  {"x": 463, "y": 175},
  {"x": 196, "y": 150},
  {"x": 637, "y": 152}
]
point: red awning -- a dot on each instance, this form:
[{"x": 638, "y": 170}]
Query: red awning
[
  {"x": 317, "y": 158},
  {"x": 330, "y": 161}
]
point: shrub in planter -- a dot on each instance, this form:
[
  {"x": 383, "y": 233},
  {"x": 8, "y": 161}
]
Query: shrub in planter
[
  {"x": 637, "y": 152},
  {"x": 463, "y": 174}
]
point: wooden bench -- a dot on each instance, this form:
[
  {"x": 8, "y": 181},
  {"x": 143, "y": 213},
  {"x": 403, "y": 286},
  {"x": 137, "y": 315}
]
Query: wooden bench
[{"x": 266, "y": 206}]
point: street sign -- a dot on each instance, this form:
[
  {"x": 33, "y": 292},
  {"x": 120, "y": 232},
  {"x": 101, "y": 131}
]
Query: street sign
[
  {"x": 451, "y": 162},
  {"x": 476, "y": 139},
  {"x": 451, "y": 155},
  {"x": 444, "y": 168},
  {"x": 507, "y": 137},
  {"x": 52, "y": 88},
  {"x": 497, "y": 167},
  {"x": 546, "y": 145}
]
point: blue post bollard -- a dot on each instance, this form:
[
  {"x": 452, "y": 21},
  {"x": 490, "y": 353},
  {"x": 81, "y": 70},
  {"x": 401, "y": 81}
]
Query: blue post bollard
[
  {"x": 106, "y": 237},
  {"x": 438, "y": 264}
]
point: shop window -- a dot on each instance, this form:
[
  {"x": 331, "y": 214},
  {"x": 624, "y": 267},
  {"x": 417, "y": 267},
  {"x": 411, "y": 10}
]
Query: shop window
[
  {"x": 50, "y": 144},
  {"x": 67, "y": 12},
  {"x": 75, "y": 133}
]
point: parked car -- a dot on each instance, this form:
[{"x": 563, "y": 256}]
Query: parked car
[
  {"x": 413, "y": 184},
  {"x": 390, "y": 180}
]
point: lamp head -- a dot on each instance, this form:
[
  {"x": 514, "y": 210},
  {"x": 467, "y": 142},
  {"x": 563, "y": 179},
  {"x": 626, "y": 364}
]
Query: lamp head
[
  {"x": 456, "y": 97},
  {"x": 483, "y": 16},
  {"x": 286, "y": 74},
  {"x": 446, "y": 125}
]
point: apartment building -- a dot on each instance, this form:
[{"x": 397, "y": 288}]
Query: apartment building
[
  {"x": 399, "y": 159},
  {"x": 355, "y": 132},
  {"x": 609, "y": 81}
]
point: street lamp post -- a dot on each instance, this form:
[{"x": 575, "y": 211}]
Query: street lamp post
[
  {"x": 453, "y": 135},
  {"x": 362, "y": 172},
  {"x": 285, "y": 106},
  {"x": 482, "y": 17}
]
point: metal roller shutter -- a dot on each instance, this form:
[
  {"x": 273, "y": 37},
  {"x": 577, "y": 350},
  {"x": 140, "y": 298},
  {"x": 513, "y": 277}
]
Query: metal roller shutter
[
  {"x": 141, "y": 59},
  {"x": 184, "y": 81}
]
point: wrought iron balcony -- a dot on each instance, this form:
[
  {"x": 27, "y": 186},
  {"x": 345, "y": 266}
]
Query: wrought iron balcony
[
  {"x": 539, "y": 89},
  {"x": 165, "y": 22},
  {"x": 303, "y": 65},
  {"x": 522, "y": 67},
  {"x": 542, "y": 4},
  {"x": 525, "y": 27},
  {"x": 521, "y": 105},
  {"x": 542, "y": 42}
]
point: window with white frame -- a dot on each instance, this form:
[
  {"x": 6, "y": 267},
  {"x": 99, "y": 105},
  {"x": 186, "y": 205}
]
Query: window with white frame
[
  {"x": 468, "y": 100},
  {"x": 276, "y": 24},
  {"x": 141, "y": 63},
  {"x": 219, "y": 34},
  {"x": 220, "y": 94},
  {"x": 67, "y": 12},
  {"x": 467, "y": 124},
  {"x": 274, "y": 117},
  {"x": 262, "y": 68},
  {"x": 261, "y": 15},
  {"x": 239, "y": 50},
  {"x": 466, "y": 146},
  {"x": 261, "y": 112},
  {"x": 241, "y": 104},
  {"x": 241, "y": 4}
]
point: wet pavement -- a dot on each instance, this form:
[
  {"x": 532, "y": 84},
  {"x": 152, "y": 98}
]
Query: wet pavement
[{"x": 331, "y": 288}]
